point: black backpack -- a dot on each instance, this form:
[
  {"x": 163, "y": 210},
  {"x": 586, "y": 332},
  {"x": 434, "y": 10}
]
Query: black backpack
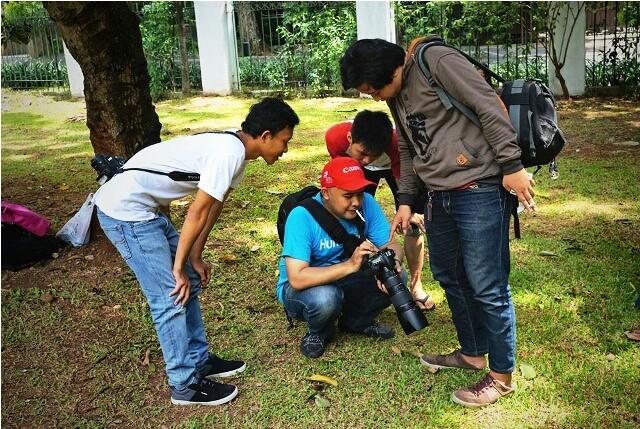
[
  {"x": 21, "y": 249},
  {"x": 531, "y": 107},
  {"x": 327, "y": 221}
]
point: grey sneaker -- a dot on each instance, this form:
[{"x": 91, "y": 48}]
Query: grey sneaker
[
  {"x": 485, "y": 392},
  {"x": 205, "y": 392},
  {"x": 312, "y": 346},
  {"x": 451, "y": 360}
]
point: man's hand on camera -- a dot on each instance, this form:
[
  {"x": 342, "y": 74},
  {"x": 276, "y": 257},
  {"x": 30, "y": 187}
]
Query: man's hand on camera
[
  {"x": 364, "y": 249},
  {"x": 183, "y": 287}
]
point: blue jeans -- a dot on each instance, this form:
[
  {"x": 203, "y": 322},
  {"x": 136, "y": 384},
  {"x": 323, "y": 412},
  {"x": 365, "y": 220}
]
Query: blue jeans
[
  {"x": 149, "y": 248},
  {"x": 355, "y": 298},
  {"x": 468, "y": 239}
]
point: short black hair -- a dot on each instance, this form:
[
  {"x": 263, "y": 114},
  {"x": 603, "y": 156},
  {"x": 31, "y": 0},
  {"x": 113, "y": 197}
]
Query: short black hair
[
  {"x": 270, "y": 114},
  {"x": 373, "y": 130},
  {"x": 370, "y": 61}
]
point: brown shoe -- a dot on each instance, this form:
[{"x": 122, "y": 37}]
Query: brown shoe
[
  {"x": 451, "y": 360},
  {"x": 485, "y": 392}
]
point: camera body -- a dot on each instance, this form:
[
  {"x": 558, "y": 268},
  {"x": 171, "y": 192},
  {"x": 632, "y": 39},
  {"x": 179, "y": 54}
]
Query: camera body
[
  {"x": 409, "y": 315},
  {"x": 106, "y": 166}
]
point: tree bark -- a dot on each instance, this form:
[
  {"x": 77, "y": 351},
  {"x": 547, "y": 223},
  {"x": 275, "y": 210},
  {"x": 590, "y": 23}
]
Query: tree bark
[
  {"x": 248, "y": 27},
  {"x": 182, "y": 43},
  {"x": 104, "y": 37}
]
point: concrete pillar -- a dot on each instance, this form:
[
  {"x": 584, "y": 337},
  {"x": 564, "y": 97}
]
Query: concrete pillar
[
  {"x": 74, "y": 73},
  {"x": 375, "y": 20},
  {"x": 574, "y": 68},
  {"x": 216, "y": 46}
]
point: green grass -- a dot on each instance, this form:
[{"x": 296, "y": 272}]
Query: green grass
[{"x": 78, "y": 361}]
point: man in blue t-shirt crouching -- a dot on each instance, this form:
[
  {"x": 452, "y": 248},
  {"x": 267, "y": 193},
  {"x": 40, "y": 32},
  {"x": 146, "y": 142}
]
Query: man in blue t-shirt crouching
[{"x": 318, "y": 283}]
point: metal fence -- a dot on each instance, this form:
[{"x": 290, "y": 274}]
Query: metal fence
[
  {"x": 293, "y": 47},
  {"x": 502, "y": 35},
  {"x": 40, "y": 62},
  {"x": 612, "y": 45}
]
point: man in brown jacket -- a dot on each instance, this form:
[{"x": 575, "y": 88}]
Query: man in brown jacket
[{"x": 469, "y": 172}]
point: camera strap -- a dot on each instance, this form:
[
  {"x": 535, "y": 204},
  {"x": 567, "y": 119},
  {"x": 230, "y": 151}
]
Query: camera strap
[
  {"x": 332, "y": 226},
  {"x": 179, "y": 176}
]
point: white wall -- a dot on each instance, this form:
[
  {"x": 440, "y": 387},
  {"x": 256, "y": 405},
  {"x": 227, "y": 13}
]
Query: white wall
[
  {"x": 574, "y": 68},
  {"x": 75, "y": 76},
  {"x": 216, "y": 46},
  {"x": 375, "y": 20}
]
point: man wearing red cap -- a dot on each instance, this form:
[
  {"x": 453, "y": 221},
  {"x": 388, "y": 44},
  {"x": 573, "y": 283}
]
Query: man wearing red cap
[
  {"x": 318, "y": 282},
  {"x": 371, "y": 140}
]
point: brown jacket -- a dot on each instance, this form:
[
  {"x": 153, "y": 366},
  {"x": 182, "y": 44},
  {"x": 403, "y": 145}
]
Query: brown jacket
[{"x": 446, "y": 150}]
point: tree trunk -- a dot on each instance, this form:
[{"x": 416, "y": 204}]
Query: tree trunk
[
  {"x": 248, "y": 27},
  {"x": 104, "y": 37},
  {"x": 182, "y": 43}
]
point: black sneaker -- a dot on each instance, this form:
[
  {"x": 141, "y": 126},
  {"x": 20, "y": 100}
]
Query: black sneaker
[
  {"x": 312, "y": 346},
  {"x": 217, "y": 367},
  {"x": 204, "y": 393},
  {"x": 375, "y": 330}
]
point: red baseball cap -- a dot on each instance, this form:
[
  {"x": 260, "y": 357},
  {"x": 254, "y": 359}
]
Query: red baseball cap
[{"x": 344, "y": 173}]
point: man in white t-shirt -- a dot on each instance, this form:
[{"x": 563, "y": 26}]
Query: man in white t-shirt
[{"x": 169, "y": 267}]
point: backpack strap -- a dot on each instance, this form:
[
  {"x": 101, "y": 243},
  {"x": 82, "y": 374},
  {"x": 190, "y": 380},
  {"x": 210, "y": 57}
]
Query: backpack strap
[
  {"x": 447, "y": 100},
  {"x": 330, "y": 224}
]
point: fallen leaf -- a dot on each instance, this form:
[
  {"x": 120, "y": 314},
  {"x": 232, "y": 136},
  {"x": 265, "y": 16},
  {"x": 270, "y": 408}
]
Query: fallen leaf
[
  {"x": 117, "y": 307},
  {"x": 47, "y": 297},
  {"x": 228, "y": 258},
  {"x": 244, "y": 204},
  {"x": 610, "y": 357},
  {"x": 145, "y": 361},
  {"x": 546, "y": 253},
  {"x": 273, "y": 192},
  {"x": 633, "y": 335},
  {"x": 321, "y": 401},
  {"x": 55, "y": 255},
  {"x": 63, "y": 187},
  {"x": 396, "y": 350},
  {"x": 323, "y": 379},
  {"x": 255, "y": 248},
  {"x": 527, "y": 371}
]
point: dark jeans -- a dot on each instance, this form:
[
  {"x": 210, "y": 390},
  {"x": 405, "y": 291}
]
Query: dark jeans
[
  {"x": 355, "y": 297},
  {"x": 468, "y": 239}
]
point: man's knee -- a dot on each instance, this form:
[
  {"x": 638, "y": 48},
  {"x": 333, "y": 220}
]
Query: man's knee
[{"x": 325, "y": 302}]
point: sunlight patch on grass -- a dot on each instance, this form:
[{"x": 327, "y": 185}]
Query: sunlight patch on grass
[{"x": 582, "y": 208}]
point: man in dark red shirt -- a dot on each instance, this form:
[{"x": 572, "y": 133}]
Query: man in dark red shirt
[{"x": 371, "y": 140}]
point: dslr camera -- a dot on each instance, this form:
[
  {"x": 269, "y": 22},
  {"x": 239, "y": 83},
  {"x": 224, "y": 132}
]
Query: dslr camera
[
  {"x": 409, "y": 315},
  {"x": 106, "y": 166}
]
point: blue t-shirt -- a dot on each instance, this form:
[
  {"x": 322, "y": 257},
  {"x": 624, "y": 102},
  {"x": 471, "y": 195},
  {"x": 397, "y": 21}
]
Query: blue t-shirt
[{"x": 304, "y": 238}]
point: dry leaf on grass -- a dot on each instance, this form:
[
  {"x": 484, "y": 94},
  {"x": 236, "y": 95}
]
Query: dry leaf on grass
[
  {"x": 527, "y": 371},
  {"x": 323, "y": 379},
  {"x": 633, "y": 335},
  {"x": 228, "y": 258},
  {"x": 145, "y": 361}
]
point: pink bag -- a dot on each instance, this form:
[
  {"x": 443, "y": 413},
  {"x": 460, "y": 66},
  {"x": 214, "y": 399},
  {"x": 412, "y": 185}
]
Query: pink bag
[{"x": 25, "y": 218}]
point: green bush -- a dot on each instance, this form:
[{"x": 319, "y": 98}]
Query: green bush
[{"x": 34, "y": 74}]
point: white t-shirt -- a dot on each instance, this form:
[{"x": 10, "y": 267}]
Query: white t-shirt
[{"x": 137, "y": 195}]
